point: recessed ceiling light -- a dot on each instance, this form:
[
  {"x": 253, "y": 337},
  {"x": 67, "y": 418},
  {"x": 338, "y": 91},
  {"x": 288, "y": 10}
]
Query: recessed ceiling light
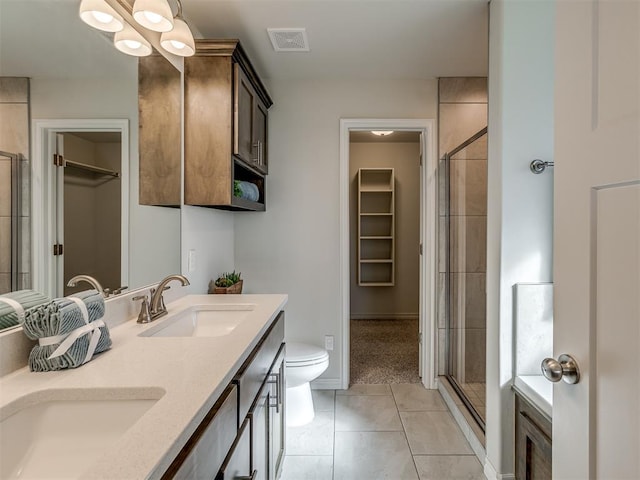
[{"x": 382, "y": 133}]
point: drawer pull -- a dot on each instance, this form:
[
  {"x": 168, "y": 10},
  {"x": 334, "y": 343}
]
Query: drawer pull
[
  {"x": 248, "y": 477},
  {"x": 274, "y": 378}
]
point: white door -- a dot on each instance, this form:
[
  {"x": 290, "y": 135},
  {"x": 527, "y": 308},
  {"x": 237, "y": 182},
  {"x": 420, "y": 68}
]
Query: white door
[{"x": 596, "y": 429}]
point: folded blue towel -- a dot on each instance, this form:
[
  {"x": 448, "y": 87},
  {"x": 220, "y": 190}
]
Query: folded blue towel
[
  {"x": 27, "y": 298},
  {"x": 63, "y": 320},
  {"x": 248, "y": 190}
]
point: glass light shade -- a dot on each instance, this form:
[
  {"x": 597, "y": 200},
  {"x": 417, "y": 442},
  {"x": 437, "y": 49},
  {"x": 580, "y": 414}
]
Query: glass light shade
[
  {"x": 131, "y": 42},
  {"x": 155, "y": 15},
  {"x": 100, "y": 15},
  {"x": 179, "y": 41}
]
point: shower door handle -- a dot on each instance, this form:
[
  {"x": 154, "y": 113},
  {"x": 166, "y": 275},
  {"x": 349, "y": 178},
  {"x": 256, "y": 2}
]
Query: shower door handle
[{"x": 565, "y": 368}]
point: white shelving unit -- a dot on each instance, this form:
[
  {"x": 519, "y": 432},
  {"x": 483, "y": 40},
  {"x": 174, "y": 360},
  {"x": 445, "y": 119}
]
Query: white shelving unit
[{"x": 376, "y": 227}]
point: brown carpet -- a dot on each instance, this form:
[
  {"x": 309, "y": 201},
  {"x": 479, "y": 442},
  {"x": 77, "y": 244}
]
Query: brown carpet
[{"x": 384, "y": 351}]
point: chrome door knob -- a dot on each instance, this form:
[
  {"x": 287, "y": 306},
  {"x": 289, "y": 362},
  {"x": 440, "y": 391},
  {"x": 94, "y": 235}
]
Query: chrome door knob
[{"x": 565, "y": 368}]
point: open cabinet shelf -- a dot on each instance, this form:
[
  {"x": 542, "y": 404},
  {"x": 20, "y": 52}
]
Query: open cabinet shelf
[{"x": 376, "y": 227}]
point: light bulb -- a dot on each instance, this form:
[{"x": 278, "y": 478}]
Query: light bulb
[
  {"x": 102, "y": 17},
  {"x": 155, "y": 15},
  {"x": 152, "y": 17},
  {"x": 133, "y": 44},
  {"x": 178, "y": 45},
  {"x": 129, "y": 41}
]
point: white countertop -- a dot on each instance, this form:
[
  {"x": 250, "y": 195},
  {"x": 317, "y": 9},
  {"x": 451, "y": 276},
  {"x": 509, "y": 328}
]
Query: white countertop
[
  {"x": 538, "y": 390},
  {"x": 192, "y": 371}
]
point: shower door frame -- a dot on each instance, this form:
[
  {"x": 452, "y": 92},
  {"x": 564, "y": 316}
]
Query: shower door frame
[
  {"x": 449, "y": 354},
  {"x": 16, "y": 204}
]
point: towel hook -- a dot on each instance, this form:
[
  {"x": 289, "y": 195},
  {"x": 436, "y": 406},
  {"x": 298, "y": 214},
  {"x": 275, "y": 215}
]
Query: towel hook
[{"x": 538, "y": 166}]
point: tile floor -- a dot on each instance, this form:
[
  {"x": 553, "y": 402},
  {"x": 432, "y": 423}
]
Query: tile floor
[{"x": 370, "y": 432}]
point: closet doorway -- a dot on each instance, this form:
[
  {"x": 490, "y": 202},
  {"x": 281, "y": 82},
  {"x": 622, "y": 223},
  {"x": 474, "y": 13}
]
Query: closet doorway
[
  {"x": 83, "y": 168},
  {"x": 387, "y": 255},
  {"x": 384, "y": 168}
]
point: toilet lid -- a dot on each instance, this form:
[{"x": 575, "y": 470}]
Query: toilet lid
[{"x": 304, "y": 353}]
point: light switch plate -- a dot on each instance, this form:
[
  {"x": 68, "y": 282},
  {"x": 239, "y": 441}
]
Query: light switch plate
[
  {"x": 192, "y": 260},
  {"x": 328, "y": 342}
]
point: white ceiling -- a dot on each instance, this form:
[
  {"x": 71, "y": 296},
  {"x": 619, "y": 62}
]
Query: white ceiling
[
  {"x": 384, "y": 39},
  {"x": 349, "y": 39}
]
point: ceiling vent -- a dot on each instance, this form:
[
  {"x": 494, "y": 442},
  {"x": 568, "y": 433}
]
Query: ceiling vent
[{"x": 289, "y": 39}]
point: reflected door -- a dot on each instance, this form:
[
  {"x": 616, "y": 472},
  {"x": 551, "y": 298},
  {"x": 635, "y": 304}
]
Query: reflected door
[{"x": 88, "y": 209}]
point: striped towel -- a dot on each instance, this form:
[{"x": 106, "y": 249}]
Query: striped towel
[
  {"x": 26, "y": 298},
  {"x": 66, "y": 340}
]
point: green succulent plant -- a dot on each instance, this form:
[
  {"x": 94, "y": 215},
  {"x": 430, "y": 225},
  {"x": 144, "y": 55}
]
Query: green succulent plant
[{"x": 228, "y": 279}]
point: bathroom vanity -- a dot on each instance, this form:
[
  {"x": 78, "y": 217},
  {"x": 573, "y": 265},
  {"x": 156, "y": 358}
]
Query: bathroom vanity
[{"x": 199, "y": 403}]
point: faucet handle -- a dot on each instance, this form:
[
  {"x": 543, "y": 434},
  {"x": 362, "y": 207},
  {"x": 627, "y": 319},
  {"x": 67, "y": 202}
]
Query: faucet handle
[
  {"x": 144, "y": 316},
  {"x": 119, "y": 290}
]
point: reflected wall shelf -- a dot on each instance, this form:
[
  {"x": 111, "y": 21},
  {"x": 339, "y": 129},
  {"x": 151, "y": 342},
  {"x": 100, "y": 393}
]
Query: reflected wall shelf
[{"x": 376, "y": 227}]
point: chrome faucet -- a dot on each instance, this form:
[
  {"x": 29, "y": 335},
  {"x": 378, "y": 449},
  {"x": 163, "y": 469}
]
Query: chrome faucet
[
  {"x": 157, "y": 307},
  {"x": 90, "y": 280}
]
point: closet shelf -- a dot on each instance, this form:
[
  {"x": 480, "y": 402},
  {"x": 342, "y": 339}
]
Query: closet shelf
[{"x": 376, "y": 227}]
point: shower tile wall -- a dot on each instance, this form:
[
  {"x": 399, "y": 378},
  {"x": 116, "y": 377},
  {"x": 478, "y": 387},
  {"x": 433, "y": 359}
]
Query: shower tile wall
[
  {"x": 14, "y": 138},
  {"x": 462, "y": 113}
]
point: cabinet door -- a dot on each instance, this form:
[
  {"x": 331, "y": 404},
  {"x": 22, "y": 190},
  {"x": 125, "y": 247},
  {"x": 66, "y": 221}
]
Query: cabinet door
[
  {"x": 277, "y": 415},
  {"x": 237, "y": 465},
  {"x": 245, "y": 99},
  {"x": 259, "y": 418},
  {"x": 260, "y": 135}
]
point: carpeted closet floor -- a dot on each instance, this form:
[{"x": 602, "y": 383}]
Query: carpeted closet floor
[{"x": 384, "y": 351}]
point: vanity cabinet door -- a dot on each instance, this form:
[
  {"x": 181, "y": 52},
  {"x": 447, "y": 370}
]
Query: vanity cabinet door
[
  {"x": 277, "y": 415},
  {"x": 533, "y": 443},
  {"x": 237, "y": 465},
  {"x": 259, "y": 418}
]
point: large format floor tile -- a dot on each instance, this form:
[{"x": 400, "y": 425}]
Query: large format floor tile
[
  {"x": 365, "y": 389},
  {"x": 373, "y": 456},
  {"x": 434, "y": 433},
  {"x": 323, "y": 400},
  {"x": 366, "y": 414},
  {"x": 318, "y": 467},
  {"x": 451, "y": 467},
  {"x": 414, "y": 397},
  {"x": 316, "y": 438}
]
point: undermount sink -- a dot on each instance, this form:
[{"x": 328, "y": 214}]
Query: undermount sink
[
  {"x": 202, "y": 321},
  {"x": 60, "y": 433}
]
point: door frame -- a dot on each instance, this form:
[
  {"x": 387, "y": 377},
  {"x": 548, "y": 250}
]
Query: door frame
[
  {"x": 428, "y": 218},
  {"x": 43, "y": 194}
]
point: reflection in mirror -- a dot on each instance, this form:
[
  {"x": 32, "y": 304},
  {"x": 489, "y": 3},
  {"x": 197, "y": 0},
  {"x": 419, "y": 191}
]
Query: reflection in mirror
[{"x": 72, "y": 71}]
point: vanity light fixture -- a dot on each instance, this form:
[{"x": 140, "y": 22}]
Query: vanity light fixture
[
  {"x": 382, "y": 133},
  {"x": 100, "y": 15},
  {"x": 155, "y": 15},
  {"x": 129, "y": 41},
  {"x": 179, "y": 41}
]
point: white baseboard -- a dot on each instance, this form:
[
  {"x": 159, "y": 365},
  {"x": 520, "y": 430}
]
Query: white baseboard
[
  {"x": 386, "y": 316},
  {"x": 491, "y": 474},
  {"x": 326, "y": 384}
]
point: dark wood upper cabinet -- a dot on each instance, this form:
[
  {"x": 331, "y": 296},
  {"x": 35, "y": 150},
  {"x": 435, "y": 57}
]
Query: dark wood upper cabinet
[{"x": 225, "y": 127}]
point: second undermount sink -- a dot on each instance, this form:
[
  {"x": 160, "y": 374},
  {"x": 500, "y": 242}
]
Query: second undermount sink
[
  {"x": 202, "y": 321},
  {"x": 59, "y": 434}
]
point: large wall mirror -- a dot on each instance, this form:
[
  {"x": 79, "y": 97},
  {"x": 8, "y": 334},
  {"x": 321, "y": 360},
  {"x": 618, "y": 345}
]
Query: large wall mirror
[{"x": 76, "y": 74}]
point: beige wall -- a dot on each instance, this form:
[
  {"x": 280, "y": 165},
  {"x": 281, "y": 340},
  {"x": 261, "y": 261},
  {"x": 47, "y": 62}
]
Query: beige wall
[
  {"x": 463, "y": 112},
  {"x": 14, "y": 138},
  {"x": 294, "y": 246},
  {"x": 402, "y": 299}
]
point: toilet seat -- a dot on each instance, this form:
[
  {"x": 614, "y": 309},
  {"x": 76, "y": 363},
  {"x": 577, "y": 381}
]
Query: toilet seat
[{"x": 304, "y": 354}]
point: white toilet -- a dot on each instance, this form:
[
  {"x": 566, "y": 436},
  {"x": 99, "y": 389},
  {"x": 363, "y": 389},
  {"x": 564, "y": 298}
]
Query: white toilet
[{"x": 303, "y": 363}]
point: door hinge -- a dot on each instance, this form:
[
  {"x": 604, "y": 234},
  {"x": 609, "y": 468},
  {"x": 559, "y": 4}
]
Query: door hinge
[
  {"x": 420, "y": 249},
  {"x": 58, "y": 160},
  {"x": 58, "y": 249},
  {"x": 420, "y": 337}
]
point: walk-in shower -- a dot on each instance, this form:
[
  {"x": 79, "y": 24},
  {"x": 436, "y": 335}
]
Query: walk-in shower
[
  {"x": 463, "y": 224},
  {"x": 14, "y": 222}
]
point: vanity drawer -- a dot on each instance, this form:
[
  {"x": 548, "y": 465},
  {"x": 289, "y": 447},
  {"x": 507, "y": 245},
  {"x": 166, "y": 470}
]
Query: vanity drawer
[
  {"x": 253, "y": 372},
  {"x": 207, "y": 448}
]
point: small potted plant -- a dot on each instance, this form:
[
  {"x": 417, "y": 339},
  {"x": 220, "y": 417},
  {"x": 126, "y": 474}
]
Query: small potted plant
[{"x": 227, "y": 283}]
